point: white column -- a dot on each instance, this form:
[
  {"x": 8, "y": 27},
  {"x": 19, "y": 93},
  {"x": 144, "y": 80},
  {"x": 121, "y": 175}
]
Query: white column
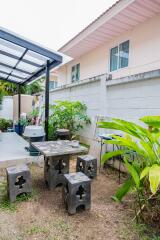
[{"x": 103, "y": 96}]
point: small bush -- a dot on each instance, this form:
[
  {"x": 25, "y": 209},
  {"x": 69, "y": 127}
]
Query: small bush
[
  {"x": 68, "y": 115},
  {"x": 4, "y": 124}
]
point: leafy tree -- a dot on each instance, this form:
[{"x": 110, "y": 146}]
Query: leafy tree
[{"x": 10, "y": 89}]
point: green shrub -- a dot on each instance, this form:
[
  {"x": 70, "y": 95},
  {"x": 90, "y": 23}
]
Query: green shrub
[
  {"x": 4, "y": 124},
  {"x": 1, "y": 97},
  {"x": 144, "y": 170},
  {"x": 68, "y": 115}
]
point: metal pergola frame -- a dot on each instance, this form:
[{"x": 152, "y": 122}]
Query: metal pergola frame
[{"x": 50, "y": 60}]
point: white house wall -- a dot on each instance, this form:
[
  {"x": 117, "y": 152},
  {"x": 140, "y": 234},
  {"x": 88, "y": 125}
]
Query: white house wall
[
  {"x": 143, "y": 56},
  {"x": 130, "y": 100}
]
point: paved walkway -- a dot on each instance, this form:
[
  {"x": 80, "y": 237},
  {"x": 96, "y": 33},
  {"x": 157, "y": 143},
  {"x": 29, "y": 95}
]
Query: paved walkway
[{"x": 12, "y": 150}]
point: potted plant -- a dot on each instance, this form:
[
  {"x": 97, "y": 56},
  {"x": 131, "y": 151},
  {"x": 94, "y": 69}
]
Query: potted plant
[{"x": 20, "y": 125}]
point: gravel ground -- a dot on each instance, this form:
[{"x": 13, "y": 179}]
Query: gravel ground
[{"x": 43, "y": 215}]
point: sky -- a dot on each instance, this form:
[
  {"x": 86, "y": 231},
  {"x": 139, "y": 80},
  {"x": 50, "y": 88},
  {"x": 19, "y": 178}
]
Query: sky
[{"x": 49, "y": 22}]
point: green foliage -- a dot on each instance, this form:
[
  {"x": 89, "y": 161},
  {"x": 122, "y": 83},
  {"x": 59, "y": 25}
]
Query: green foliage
[
  {"x": 34, "y": 113},
  {"x": 37, "y": 229},
  {"x": 152, "y": 121},
  {"x": 10, "y": 89},
  {"x": 23, "y": 122},
  {"x": 4, "y": 124},
  {"x": 123, "y": 190},
  {"x": 145, "y": 169},
  {"x": 35, "y": 87},
  {"x": 1, "y": 96},
  {"x": 6, "y": 205},
  {"x": 68, "y": 115}
]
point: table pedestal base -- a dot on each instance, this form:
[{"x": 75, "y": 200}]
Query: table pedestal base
[{"x": 54, "y": 170}]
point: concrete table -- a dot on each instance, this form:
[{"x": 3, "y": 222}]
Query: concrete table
[
  {"x": 12, "y": 150},
  {"x": 56, "y": 159},
  {"x": 58, "y": 148}
]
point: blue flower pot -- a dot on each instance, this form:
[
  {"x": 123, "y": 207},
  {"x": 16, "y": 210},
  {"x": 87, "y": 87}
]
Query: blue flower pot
[{"x": 19, "y": 129}]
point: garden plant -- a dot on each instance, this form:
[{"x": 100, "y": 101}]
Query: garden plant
[
  {"x": 144, "y": 170},
  {"x": 5, "y": 124},
  {"x": 68, "y": 115}
]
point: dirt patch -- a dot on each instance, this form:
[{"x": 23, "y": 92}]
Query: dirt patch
[{"x": 44, "y": 217}]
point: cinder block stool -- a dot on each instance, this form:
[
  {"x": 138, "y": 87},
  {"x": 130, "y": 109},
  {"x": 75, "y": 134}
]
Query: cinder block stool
[
  {"x": 19, "y": 181},
  {"x": 88, "y": 165},
  {"x": 76, "y": 192},
  {"x": 54, "y": 170}
]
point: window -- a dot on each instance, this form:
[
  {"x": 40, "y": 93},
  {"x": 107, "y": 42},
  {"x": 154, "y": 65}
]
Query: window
[
  {"x": 76, "y": 72},
  {"x": 119, "y": 56},
  {"x": 53, "y": 84}
]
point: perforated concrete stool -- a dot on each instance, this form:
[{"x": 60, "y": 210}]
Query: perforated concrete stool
[
  {"x": 88, "y": 165},
  {"x": 54, "y": 170},
  {"x": 19, "y": 181},
  {"x": 76, "y": 192}
]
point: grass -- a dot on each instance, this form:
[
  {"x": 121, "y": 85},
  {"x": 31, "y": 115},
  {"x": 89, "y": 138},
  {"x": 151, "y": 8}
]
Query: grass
[
  {"x": 5, "y": 204},
  {"x": 140, "y": 229},
  {"x": 62, "y": 225},
  {"x": 37, "y": 229}
]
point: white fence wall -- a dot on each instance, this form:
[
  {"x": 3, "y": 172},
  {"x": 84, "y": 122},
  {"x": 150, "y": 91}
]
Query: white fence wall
[
  {"x": 7, "y": 108},
  {"x": 134, "y": 100},
  {"x": 87, "y": 93},
  {"x": 129, "y": 101}
]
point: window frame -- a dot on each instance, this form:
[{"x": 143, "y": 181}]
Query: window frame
[
  {"x": 55, "y": 85},
  {"x": 118, "y": 45},
  {"x": 76, "y": 67}
]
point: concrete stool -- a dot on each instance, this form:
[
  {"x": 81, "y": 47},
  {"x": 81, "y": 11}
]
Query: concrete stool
[
  {"x": 19, "y": 181},
  {"x": 76, "y": 192},
  {"x": 54, "y": 170},
  {"x": 63, "y": 134},
  {"x": 88, "y": 165}
]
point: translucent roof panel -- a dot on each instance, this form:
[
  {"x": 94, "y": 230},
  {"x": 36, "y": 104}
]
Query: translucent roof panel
[
  {"x": 11, "y": 48},
  {"x": 5, "y": 69},
  {"x": 14, "y": 79},
  {"x": 23, "y": 61},
  {"x": 20, "y": 74},
  {"x": 37, "y": 58},
  {"x": 7, "y": 60},
  {"x": 3, "y": 75},
  {"x": 27, "y": 67}
]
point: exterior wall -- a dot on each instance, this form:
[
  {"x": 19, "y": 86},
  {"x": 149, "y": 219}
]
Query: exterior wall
[
  {"x": 7, "y": 108},
  {"x": 26, "y": 105},
  {"x": 88, "y": 94},
  {"x": 134, "y": 100},
  {"x": 143, "y": 56},
  {"x": 129, "y": 101},
  {"x": 118, "y": 98}
]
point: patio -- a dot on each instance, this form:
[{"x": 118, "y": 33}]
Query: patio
[
  {"x": 22, "y": 61},
  {"x": 46, "y": 213},
  {"x": 43, "y": 215}
]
